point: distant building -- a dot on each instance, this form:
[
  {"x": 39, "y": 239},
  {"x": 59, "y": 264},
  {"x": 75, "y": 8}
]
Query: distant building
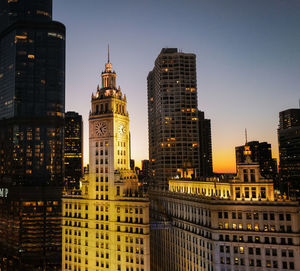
[
  {"x": 216, "y": 225},
  {"x": 106, "y": 221},
  {"x": 175, "y": 130},
  {"x": 32, "y": 107},
  {"x": 206, "y": 165},
  {"x": 73, "y": 149},
  {"x": 145, "y": 168},
  {"x": 132, "y": 164},
  {"x": 261, "y": 152},
  {"x": 289, "y": 151},
  {"x": 137, "y": 170}
]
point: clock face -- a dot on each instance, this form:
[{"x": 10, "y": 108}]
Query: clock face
[
  {"x": 122, "y": 129},
  {"x": 100, "y": 128}
]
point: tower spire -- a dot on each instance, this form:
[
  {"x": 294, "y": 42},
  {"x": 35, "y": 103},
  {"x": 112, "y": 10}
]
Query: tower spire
[
  {"x": 246, "y": 136},
  {"x": 109, "y": 76}
]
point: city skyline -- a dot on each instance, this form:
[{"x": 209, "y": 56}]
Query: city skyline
[
  {"x": 251, "y": 48},
  {"x": 205, "y": 119}
]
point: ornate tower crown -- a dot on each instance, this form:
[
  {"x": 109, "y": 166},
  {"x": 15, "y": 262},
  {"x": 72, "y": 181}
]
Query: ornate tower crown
[
  {"x": 109, "y": 76},
  {"x": 108, "y": 87}
]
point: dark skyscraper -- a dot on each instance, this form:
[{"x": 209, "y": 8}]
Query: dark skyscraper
[
  {"x": 206, "y": 167},
  {"x": 32, "y": 104},
  {"x": 173, "y": 119},
  {"x": 20, "y": 10},
  {"x": 145, "y": 168},
  {"x": 289, "y": 151},
  {"x": 73, "y": 149},
  {"x": 261, "y": 152}
]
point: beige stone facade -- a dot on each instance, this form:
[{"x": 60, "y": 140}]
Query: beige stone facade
[
  {"x": 215, "y": 226},
  {"x": 106, "y": 221}
]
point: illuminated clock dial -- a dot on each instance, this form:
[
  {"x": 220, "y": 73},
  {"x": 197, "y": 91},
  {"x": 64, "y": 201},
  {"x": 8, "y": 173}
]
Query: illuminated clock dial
[
  {"x": 122, "y": 129},
  {"x": 101, "y": 128}
]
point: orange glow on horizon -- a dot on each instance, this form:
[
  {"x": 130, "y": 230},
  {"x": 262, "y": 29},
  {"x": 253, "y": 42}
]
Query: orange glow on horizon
[{"x": 224, "y": 161}]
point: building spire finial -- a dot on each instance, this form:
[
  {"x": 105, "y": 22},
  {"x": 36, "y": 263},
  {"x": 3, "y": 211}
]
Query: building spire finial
[
  {"x": 108, "y": 60},
  {"x": 246, "y": 136}
]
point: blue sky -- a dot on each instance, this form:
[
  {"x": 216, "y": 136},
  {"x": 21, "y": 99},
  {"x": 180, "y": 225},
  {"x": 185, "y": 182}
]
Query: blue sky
[{"x": 248, "y": 61}]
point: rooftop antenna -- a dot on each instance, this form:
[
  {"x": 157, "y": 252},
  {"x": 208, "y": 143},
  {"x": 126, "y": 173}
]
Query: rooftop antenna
[
  {"x": 108, "y": 60},
  {"x": 246, "y": 136}
]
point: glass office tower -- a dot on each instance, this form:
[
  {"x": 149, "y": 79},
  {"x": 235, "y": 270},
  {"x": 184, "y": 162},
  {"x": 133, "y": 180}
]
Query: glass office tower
[{"x": 32, "y": 105}]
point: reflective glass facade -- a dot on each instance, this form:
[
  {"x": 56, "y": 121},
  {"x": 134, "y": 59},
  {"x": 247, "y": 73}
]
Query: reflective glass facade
[
  {"x": 32, "y": 106},
  {"x": 12, "y": 11},
  {"x": 32, "y": 98}
]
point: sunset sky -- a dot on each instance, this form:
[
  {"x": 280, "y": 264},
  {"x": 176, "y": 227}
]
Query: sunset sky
[{"x": 248, "y": 61}]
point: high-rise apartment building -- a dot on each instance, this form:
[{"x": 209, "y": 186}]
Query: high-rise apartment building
[
  {"x": 106, "y": 221},
  {"x": 261, "y": 152},
  {"x": 173, "y": 118},
  {"x": 216, "y": 225},
  {"x": 289, "y": 151},
  {"x": 73, "y": 149},
  {"x": 32, "y": 101}
]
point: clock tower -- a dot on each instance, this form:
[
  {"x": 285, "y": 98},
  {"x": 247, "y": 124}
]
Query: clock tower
[
  {"x": 109, "y": 129},
  {"x": 109, "y": 208}
]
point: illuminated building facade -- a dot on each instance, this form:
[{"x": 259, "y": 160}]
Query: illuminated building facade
[
  {"x": 289, "y": 151},
  {"x": 173, "y": 118},
  {"x": 237, "y": 224},
  {"x": 32, "y": 101},
  {"x": 106, "y": 221},
  {"x": 73, "y": 148}
]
